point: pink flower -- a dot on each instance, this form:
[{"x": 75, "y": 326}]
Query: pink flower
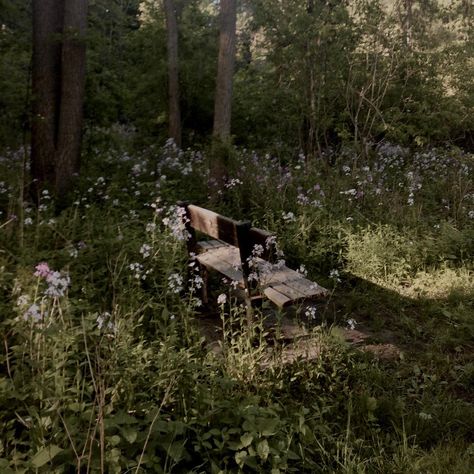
[{"x": 42, "y": 270}]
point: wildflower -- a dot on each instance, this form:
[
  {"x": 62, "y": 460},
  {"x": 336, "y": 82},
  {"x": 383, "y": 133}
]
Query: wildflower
[
  {"x": 137, "y": 268},
  {"x": 334, "y": 275},
  {"x": 222, "y": 299},
  {"x": 104, "y": 322},
  {"x": 253, "y": 276},
  {"x": 33, "y": 313},
  {"x": 23, "y": 300},
  {"x": 302, "y": 199},
  {"x": 257, "y": 250},
  {"x": 233, "y": 183},
  {"x": 350, "y": 192},
  {"x": 73, "y": 252},
  {"x": 425, "y": 416},
  {"x": 176, "y": 221},
  {"x": 197, "y": 281},
  {"x": 150, "y": 227},
  {"x": 28, "y": 221},
  {"x": 302, "y": 270},
  {"x": 271, "y": 240},
  {"x": 310, "y": 312},
  {"x": 145, "y": 250},
  {"x": 57, "y": 284},
  {"x": 351, "y": 324},
  {"x": 288, "y": 217},
  {"x": 175, "y": 283},
  {"x": 42, "y": 270}
]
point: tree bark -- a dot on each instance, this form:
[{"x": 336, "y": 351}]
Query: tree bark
[
  {"x": 173, "y": 72},
  {"x": 47, "y": 28},
  {"x": 59, "y": 28},
  {"x": 225, "y": 69},
  {"x": 73, "y": 74}
]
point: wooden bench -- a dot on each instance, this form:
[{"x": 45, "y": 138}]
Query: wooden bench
[{"x": 244, "y": 255}]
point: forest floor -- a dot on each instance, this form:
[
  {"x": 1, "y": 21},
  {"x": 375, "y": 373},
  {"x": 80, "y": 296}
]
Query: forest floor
[
  {"x": 108, "y": 352},
  {"x": 290, "y": 337}
]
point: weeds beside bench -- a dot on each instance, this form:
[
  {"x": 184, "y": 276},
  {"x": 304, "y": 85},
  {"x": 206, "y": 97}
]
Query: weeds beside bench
[{"x": 246, "y": 256}]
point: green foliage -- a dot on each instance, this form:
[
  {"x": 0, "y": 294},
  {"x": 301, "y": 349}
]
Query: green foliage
[{"x": 108, "y": 370}]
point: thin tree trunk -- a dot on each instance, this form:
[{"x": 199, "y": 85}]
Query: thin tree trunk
[
  {"x": 173, "y": 72},
  {"x": 47, "y": 28},
  {"x": 73, "y": 73},
  {"x": 225, "y": 69}
]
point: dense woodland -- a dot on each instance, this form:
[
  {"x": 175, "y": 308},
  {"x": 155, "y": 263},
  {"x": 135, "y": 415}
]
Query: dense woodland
[{"x": 344, "y": 127}]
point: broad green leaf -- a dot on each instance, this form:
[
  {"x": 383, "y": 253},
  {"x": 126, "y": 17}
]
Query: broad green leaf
[
  {"x": 130, "y": 434},
  {"x": 371, "y": 403},
  {"x": 267, "y": 426},
  {"x": 240, "y": 457},
  {"x": 263, "y": 449},
  {"x": 45, "y": 455},
  {"x": 246, "y": 439},
  {"x": 175, "y": 451}
]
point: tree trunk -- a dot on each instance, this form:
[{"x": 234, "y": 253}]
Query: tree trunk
[
  {"x": 73, "y": 73},
  {"x": 47, "y": 28},
  {"x": 225, "y": 69},
  {"x": 173, "y": 72},
  {"x": 58, "y": 92}
]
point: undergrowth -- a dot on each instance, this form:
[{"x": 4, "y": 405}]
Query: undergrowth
[{"x": 104, "y": 367}]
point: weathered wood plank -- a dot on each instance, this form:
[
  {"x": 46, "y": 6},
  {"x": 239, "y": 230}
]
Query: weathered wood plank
[
  {"x": 218, "y": 259},
  {"x": 276, "y": 297},
  {"x": 211, "y": 244},
  {"x": 307, "y": 287},
  {"x": 213, "y": 224},
  {"x": 289, "y": 292},
  {"x": 270, "y": 275},
  {"x": 205, "y": 244}
]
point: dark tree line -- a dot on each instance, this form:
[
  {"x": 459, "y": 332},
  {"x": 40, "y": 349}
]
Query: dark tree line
[{"x": 273, "y": 74}]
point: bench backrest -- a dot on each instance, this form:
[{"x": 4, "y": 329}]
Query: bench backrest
[
  {"x": 237, "y": 233},
  {"x": 214, "y": 225}
]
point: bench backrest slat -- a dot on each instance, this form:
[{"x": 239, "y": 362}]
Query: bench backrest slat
[{"x": 213, "y": 224}]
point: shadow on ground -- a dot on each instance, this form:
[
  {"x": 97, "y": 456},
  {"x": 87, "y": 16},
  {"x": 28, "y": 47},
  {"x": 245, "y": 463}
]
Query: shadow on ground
[{"x": 367, "y": 316}]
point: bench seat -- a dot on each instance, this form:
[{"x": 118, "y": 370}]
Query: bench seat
[{"x": 278, "y": 283}]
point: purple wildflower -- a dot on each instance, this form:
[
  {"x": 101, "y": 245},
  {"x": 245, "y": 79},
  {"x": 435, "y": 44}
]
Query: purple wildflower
[{"x": 42, "y": 270}]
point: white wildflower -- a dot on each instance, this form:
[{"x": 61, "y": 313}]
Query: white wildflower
[{"x": 351, "y": 324}]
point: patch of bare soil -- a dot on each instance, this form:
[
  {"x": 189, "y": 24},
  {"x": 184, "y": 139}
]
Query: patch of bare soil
[{"x": 296, "y": 341}]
